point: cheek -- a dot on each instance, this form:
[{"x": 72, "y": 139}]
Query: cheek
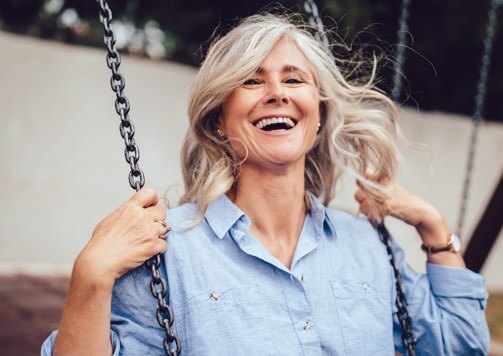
[
  {"x": 310, "y": 102},
  {"x": 237, "y": 107}
]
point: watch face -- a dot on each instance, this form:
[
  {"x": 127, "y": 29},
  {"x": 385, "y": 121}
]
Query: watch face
[{"x": 456, "y": 243}]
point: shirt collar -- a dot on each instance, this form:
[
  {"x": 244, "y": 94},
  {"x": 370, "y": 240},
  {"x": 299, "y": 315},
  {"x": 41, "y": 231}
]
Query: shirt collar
[
  {"x": 222, "y": 214},
  {"x": 320, "y": 216}
]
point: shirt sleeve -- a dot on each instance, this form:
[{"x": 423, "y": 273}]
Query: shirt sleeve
[
  {"x": 48, "y": 344},
  {"x": 447, "y": 308},
  {"x": 134, "y": 327},
  {"x": 133, "y": 317}
]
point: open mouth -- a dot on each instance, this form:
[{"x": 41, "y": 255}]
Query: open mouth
[{"x": 275, "y": 123}]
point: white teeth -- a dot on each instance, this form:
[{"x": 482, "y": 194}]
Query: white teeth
[{"x": 275, "y": 120}]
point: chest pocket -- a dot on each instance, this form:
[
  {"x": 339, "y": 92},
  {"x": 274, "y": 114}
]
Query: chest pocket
[
  {"x": 224, "y": 321},
  {"x": 365, "y": 317}
]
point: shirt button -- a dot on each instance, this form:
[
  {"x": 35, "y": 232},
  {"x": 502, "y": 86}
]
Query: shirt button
[
  {"x": 301, "y": 278},
  {"x": 306, "y": 325},
  {"x": 366, "y": 286},
  {"x": 214, "y": 296}
]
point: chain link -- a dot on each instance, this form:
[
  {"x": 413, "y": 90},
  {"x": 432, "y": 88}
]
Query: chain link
[
  {"x": 315, "y": 22},
  {"x": 158, "y": 286},
  {"x": 398, "y": 64},
  {"x": 479, "y": 108},
  {"x": 408, "y": 339}
]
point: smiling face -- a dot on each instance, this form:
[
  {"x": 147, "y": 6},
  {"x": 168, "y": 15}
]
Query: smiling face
[{"x": 275, "y": 113}]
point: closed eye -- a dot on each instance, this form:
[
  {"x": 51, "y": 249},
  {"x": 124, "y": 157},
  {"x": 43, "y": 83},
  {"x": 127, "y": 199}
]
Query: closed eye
[
  {"x": 252, "y": 81},
  {"x": 294, "y": 80}
]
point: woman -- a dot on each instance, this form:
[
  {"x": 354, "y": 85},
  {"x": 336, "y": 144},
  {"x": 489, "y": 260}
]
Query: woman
[{"x": 256, "y": 263}]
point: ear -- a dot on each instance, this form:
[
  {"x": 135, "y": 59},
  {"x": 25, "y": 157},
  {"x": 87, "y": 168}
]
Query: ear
[
  {"x": 323, "y": 113},
  {"x": 220, "y": 122}
]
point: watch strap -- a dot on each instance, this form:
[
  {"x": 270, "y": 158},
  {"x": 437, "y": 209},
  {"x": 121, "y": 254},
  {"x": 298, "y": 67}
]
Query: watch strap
[{"x": 432, "y": 249}]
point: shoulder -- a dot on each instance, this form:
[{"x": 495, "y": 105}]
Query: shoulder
[
  {"x": 183, "y": 215},
  {"x": 190, "y": 235},
  {"x": 185, "y": 220},
  {"x": 346, "y": 223},
  {"x": 357, "y": 234}
]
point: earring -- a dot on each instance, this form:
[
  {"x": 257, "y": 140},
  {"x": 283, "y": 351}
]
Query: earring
[
  {"x": 220, "y": 133},
  {"x": 318, "y": 128}
]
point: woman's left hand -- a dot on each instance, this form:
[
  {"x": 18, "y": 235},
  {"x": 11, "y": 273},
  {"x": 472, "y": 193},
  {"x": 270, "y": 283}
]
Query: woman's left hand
[{"x": 408, "y": 207}]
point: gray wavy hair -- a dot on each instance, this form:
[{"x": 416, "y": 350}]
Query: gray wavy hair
[{"x": 358, "y": 122}]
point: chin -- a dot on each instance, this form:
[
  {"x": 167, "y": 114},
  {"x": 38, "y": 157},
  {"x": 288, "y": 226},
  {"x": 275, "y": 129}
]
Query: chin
[{"x": 284, "y": 158}]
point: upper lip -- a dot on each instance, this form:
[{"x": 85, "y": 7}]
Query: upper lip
[{"x": 275, "y": 115}]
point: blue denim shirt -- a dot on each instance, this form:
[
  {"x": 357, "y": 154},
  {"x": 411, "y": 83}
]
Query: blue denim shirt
[{"x": 230, "y": 296}]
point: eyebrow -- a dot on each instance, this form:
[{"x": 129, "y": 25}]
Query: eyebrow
[{"x": 286, "y": 69}]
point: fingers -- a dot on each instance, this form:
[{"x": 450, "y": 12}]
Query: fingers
[
  {"x": 360, "y": 196},
  {"x": 154, "y": 238},
  {"x": 153, "y": 215},
  {"x": 161, "y": 246},
  {"x": 376, "y": 176},
  {"x": 157, "y": 213},
  {"x": 131, "y": 234},
  {"x": 145, "y": 198},
  {"x": 374, "y": 211},
  {"x": 163, "y": 229}
]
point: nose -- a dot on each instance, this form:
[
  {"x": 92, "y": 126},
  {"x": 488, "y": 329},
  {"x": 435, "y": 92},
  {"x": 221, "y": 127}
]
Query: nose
[{"x": 275, "y": 94}]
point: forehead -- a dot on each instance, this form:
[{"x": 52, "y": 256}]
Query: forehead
[{"x": 286, "y": 54}]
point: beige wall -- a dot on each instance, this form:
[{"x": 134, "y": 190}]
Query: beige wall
[{"x": 62, "y": 165}]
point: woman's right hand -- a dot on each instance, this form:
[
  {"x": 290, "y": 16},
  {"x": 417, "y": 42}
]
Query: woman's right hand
[{"x": 124, "y": 239}]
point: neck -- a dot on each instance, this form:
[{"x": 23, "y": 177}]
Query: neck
[{"x": 274, "y": 201}]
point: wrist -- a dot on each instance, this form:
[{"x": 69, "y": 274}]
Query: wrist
[
  {"x": 88, "y": 272},
  {"x": 434, "y": 231},
  {"x": 452, "y": 245}
]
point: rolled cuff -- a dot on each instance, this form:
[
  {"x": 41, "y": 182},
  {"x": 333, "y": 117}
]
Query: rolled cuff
[
  {"x": 48, "y": 344},
  {"x": 448, "y": 281}
]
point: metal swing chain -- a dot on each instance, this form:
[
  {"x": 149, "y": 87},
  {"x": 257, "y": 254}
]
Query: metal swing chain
[
  {"x": 315, "y": 22},
  {"x": 403, "y": 28},
  {"x": 408, "y": 339},
  {"x": 164, "y": 314},
  {"x": 477, "y": 118}
]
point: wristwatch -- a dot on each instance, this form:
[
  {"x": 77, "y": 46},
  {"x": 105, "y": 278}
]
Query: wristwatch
[{"x": 453, "y": 245}]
